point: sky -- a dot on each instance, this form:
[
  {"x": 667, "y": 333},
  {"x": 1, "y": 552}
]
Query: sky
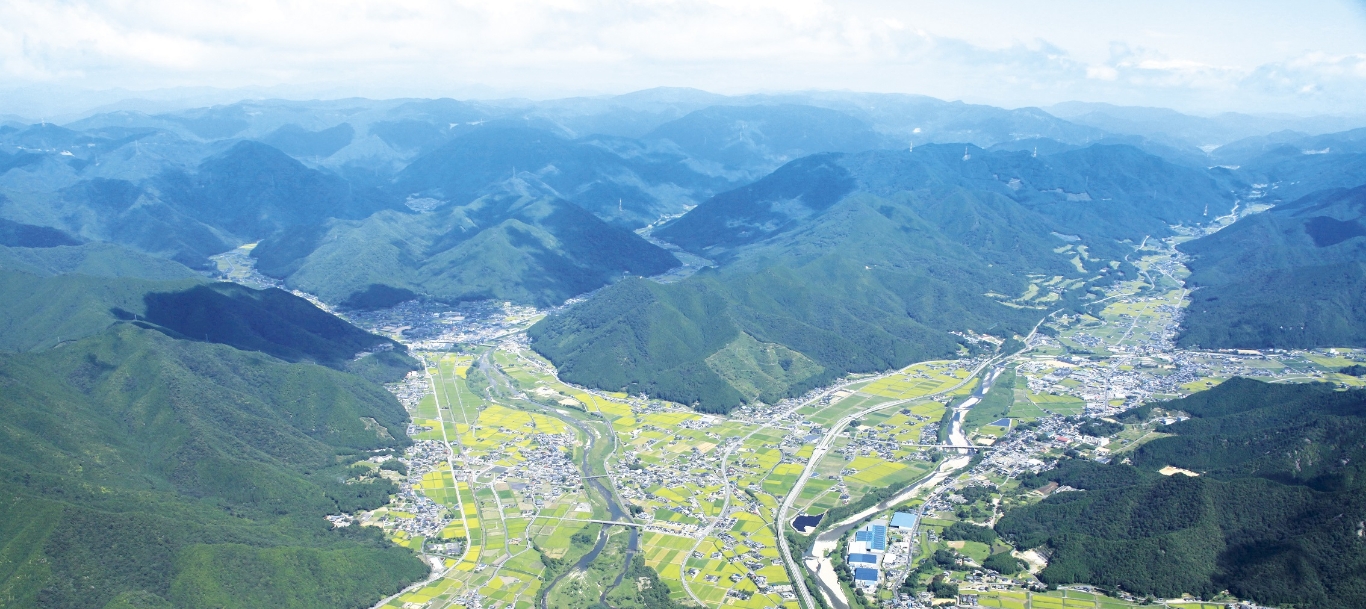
[{"x": 1303, "y": 57}]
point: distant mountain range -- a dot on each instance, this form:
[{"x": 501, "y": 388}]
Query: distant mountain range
[
  {"x": 366, "y": 203},
  {"x": 625, "y": 182},
  {"x": 1173, "y": 128},
  {"x": 522, "y": 245}
]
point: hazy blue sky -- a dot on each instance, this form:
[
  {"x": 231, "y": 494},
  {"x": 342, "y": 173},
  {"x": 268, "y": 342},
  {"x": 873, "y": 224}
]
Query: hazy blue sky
[{"x": 1304, "y": 56}]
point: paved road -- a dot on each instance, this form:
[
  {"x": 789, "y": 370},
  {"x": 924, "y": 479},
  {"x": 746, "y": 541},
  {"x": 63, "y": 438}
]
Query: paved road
[
  {"x": 823, "y": 446},
  {"x": 498, "y": 380},
  {"x": 450, "y": 460},
  {"x": 437, "y": 571},
  {"x": 725, "y": 461}
]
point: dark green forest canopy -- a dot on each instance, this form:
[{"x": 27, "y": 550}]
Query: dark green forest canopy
[
  {"x": 96, "y": 259},
  {"x": 1288, "y": 278},
  {"x": 138, "y": 468},
  {"x": 1274, "y": 515},
  {"x": 45, "y": 301},
  {"x": 271, "y": 321}
]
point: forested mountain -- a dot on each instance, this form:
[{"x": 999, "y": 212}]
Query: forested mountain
[
  {"x": 1285, "y": 166},
  {"x": 97, "y": 259},
  {"x": 1100, "y": 193},
  {"x": 170, "y": 441},
  {"x": 253, "y": 190},
  {"x": 760, "y": 138},
  {"x": 1290, "y": 277},
  {"x": 190, "y": 184},
  {"x": 166, "y": 441},
  {"x": 240, "y": 195},
  {"x": 60, "y": 294},
  {"x": 622, "y": 181},
  {"x": 862, "y": 262},
  {"x": 15, "y": 234},
  {"x": 155, "y": 472},
  {"x": 1175, "y": 128},
  {"x": 299, "y": 142},
  {"x": 521, "y": 244},
  {"x": 1274, "y": 515}
]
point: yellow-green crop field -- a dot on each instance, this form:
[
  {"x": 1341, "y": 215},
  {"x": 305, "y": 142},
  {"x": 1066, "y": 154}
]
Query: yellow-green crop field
[{"x": 921, "y": 379}]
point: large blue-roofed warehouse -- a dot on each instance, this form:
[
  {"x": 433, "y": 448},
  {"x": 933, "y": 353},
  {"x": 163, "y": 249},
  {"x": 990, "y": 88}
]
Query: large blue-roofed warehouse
[
  {"x": 862, "y": 560},
  {"x": 903, "y": 520},
  {"x": 870, "y": 538}
]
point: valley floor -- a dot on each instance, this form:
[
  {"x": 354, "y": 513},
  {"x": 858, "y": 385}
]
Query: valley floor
[{"x": 530, "y": 492}]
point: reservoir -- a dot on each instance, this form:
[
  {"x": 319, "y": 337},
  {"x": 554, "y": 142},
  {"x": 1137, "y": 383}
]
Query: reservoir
[{"x": 801, "y": 523}]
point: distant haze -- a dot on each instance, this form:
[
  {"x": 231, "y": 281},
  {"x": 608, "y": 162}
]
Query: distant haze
[{"x": 1306, "y": 57}]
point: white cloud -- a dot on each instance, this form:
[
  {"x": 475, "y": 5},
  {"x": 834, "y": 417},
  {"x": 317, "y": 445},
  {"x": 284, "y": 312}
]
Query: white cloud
[{"x": 1162, "y": 52}]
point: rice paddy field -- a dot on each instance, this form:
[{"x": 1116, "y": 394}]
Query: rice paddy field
[
  {"x": 508, "y": 512},
  {"x": 675, "y": 457},
  {"x": 921, "y": 379}
]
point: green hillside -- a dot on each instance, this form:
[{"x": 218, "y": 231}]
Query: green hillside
[
  {"x": 860, "y": 263},
  {"x": 95, "y": 259},
  {"x": 41, "y": 311},
  {"x": 1288, "y": 278},
  {"x": 144, "y": 471},
  {"x": 525, "y": 248},
  {"x": 1274, "y": 515},
  {"x": 70, "y": 292},
  {"x": 15, "y": 234},
  {"x": 271, "y": 321},
  {"x": 622, "y": 181},
  {"x": 849, "y": 295}
]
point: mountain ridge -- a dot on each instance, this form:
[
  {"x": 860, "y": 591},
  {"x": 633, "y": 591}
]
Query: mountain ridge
[{"x": 865, "y": 262}]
